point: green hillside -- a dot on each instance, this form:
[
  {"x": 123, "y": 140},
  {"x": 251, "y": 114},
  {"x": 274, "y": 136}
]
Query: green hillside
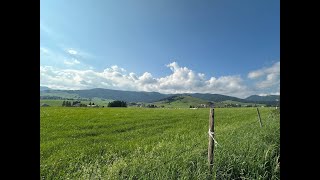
[
  {"x": 149, "y": 97},
  {"x": 229, "y": 103},
  {"x": 216, "y": 97},
  {"x": 263, "y": 98},
  {"x": 128, "y": 96},
  {"x": 180, "y": 102},
  {"x": 58, "y": 94}
]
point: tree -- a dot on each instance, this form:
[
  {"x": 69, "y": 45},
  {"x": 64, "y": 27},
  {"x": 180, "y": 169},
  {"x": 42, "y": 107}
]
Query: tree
[
  {"x": 64, "y": 103},
  {"x": 89, "y": 103},
  {"x": 117, "y": 104},
  {"x": 151, "y": 106},
  {"x": 68, "y": 104},
  {"x": 92, "y": 103}
]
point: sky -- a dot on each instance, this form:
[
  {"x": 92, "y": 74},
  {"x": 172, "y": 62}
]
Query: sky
[{"x": 224, "y": 47}]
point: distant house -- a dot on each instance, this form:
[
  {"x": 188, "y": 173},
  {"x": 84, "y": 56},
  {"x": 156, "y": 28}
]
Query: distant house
[
  {"x": 203, "y": 105},
  {"x": 91, "y": 105},
  {"x": 44, "y": 105}
]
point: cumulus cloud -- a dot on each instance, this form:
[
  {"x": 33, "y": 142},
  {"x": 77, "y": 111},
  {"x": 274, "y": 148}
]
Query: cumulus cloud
[
  {"x": 271, "y": 80},
  {"x": 274, "y": 69},
  {"x": 72, "y": 51},
  {"x": 270, "y": 75},
  {"x": 146, "y": 79},
  {"x": 181, "y": 80},
  {"x": 255, "y": 74},
  {"x": 115, "y": 68}
]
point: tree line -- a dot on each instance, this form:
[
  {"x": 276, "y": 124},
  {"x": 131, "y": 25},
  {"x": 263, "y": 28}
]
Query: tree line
[
  {"x": 69, "y": 104},
  {"x": 78, "y": 103},
  {"x": 117, "y": 104}
]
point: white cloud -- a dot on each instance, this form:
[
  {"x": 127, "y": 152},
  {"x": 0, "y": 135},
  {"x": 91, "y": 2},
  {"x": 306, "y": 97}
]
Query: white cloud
[
  {"x": 58, "y": 59},
  {"x": 72, "y": 51},
  {"x": 275, "y": 93},
  {"x": 115, "y": 68},
  {"x": 146, "y": 79},
  {"x": 49, "y": 56},
  {"x": 181, "y": 80},
  {"x": 271, "y": 80},
  {"x": 274, "y": 69},
  {"x": 263, "y": 94},
  {"x": 76, "y": 52},
  {"x": 270, "y": 75},
  {"x": 255, "y": 74},
  {"x": 267, "y": 94}
]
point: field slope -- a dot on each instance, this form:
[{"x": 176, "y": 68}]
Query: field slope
[
  {"x": 180, "y": 102},
  {"x": 143, "y": 143}
]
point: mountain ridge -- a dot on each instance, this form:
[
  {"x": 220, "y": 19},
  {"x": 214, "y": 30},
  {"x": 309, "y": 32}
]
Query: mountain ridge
[{"x": 143, "y": 96}]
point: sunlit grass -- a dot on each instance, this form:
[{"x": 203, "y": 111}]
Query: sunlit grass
[{"x": 142, "y": 143}]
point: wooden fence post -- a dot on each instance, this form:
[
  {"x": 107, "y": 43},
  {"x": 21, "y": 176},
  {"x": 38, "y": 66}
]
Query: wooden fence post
[
  {"x": 259, "y": 117},
  {"x": 211, "y": 142}
]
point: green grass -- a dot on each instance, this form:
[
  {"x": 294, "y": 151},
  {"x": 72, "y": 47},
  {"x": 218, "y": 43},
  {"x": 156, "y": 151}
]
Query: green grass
[
  {"x": 56, "y": 103},
  {"x": 143, "y": 143},
  {"x": 186, "y": 101},
  {"x": 51, "y": 102},
  {"x": 181, "y": 102},
  {"x": 242, "y": 103}
]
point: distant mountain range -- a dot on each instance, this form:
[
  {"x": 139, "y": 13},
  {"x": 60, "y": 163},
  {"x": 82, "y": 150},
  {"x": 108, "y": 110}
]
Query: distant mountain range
[
  {"x": 42, "y": 88},
  {"x": 140, "y": 96},
  {"x": 263, "y": 98}
]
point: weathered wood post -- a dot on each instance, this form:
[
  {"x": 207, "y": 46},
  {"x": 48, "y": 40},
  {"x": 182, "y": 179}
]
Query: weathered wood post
[
  {"x": 211, "y": 142},
  {"x": 259, "y": 117}
]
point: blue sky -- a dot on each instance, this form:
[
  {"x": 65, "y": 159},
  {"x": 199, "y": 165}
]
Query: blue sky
[{"x": 213, "y": 46}]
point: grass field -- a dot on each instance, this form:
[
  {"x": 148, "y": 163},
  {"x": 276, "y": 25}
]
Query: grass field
[
  {"x": 181, "y": 102},
  {"x": 57, "y": 103},
  {"x": 143, "y": 143},
  {"x": 236, "y": 102}
]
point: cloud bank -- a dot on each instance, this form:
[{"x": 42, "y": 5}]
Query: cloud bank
[
  {"x": 268, "y": 78},
  {"x": 68, "y": 70},
  {"x": 181, "y": 80}
]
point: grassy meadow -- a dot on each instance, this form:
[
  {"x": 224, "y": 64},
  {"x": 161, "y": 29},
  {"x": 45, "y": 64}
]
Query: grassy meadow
[
  {"x": 58, "y": 102},
  {"x": 181, "y": 102},
  {"x": 157, "y": 143}
]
